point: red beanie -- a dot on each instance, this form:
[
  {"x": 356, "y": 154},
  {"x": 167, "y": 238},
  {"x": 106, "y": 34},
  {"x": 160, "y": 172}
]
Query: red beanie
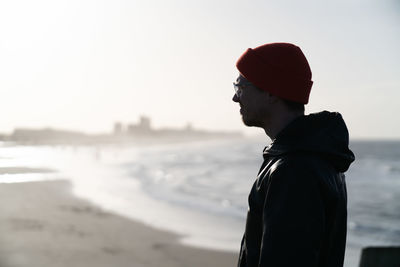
[{"x": 279, "y": 68}]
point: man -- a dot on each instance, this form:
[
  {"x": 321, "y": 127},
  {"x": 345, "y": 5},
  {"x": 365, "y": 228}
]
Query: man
[{"x": 298, "y": 204}]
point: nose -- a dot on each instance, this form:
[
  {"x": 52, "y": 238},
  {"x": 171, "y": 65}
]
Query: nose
[{"x": 235, "y": 98}]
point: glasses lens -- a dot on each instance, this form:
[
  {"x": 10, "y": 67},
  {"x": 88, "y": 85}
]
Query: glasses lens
[{"x": 238, "y": 89}]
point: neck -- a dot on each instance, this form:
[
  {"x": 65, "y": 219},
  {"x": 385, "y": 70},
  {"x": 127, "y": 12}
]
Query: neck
[{"x": 278, "y": 122}]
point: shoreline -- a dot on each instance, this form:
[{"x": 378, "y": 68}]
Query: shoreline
[{"x": 44, "y": 224}]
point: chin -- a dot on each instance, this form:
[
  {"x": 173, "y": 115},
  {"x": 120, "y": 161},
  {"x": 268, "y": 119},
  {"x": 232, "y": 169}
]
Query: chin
[{"x": 251, "y": 122}]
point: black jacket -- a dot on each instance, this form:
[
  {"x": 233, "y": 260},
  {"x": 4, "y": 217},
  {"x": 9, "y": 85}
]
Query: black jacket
[{"x": 298, "y": 204}]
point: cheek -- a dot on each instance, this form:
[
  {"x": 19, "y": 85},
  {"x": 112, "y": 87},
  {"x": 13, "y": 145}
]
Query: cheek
[
  {"x": 254, "y": 101},
  {"x": 259, "y": 102},
  {"x": 260, "y": 107}
]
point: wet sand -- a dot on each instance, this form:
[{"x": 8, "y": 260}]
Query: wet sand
[{"x": 43, "y": 225}]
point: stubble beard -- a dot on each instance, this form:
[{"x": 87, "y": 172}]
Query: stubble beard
[{"x": 252, "y": 121}]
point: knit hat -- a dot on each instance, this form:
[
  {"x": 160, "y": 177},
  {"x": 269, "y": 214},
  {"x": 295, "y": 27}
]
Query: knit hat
[{"x": 279, "y": 68}]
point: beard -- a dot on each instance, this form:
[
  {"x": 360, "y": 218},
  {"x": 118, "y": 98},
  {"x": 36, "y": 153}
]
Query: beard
[{"x": 253, "y": 120}]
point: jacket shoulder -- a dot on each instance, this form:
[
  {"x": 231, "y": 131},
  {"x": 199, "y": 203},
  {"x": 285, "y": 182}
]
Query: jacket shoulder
[
  {"x": 303, "y": 166},
  {"x": 301, "y": 169},
  {"x": 296, "y": 162}
]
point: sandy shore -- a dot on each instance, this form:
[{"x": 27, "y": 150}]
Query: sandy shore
[{"x": 43, "y": 225}]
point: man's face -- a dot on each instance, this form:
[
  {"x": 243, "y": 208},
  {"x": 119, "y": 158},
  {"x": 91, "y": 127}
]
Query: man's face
[{"x": 253, "y": 102}]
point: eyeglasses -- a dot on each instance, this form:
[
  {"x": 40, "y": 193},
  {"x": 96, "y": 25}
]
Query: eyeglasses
[{"x": 239, "y": 88}]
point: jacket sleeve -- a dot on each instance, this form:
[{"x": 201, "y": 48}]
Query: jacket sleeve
[{"x": 293, "y": 217}]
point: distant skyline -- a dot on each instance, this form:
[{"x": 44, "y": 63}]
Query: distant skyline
[{"x": 83, "y": 65}]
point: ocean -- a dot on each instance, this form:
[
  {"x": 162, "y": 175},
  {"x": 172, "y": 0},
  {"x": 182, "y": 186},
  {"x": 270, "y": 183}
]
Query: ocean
[{"x": 199, "y": 189}]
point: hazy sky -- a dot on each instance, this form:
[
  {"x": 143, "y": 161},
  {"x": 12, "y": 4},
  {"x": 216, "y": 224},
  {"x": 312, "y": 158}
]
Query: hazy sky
[{"x": 82, "y": 65}]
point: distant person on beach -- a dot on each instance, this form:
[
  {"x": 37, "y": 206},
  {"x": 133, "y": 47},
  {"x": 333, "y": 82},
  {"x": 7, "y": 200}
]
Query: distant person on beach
[{"x": 297, "y": 212}]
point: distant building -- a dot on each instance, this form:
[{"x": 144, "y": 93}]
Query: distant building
[
  {"x": 117, "y": 128},
  {"x": 145, "y": 123},
  {"x": 46, "y": 134},
  {"x": 189, "y": 127},
  {"x": 143, "y": 127},
  {"x": 132, "y": 128}
]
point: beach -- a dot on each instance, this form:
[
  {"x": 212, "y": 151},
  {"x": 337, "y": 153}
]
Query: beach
[
  {"x": 163, "y": 205},
  {"x": 44, "y": 224}
]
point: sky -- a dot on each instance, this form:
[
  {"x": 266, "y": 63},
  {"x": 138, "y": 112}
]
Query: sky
[{"x": 83, "y": 65}]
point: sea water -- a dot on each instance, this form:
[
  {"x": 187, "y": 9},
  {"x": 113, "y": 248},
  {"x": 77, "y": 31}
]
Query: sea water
[{"x": 199, "y": 190}]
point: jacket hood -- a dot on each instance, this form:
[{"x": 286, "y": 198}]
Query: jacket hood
[{"x": 324, "y": 133}]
